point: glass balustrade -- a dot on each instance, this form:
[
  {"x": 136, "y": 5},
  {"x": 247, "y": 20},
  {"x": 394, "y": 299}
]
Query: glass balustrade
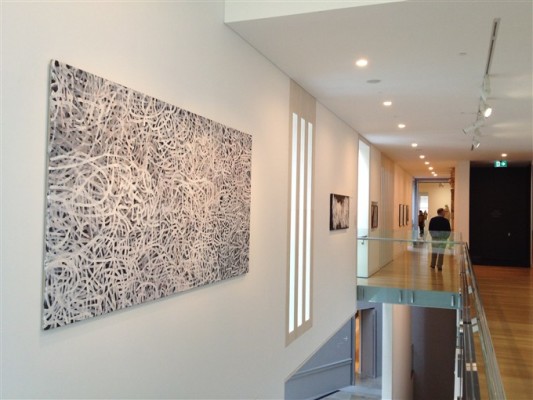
[{"x": 399, "y": 271}]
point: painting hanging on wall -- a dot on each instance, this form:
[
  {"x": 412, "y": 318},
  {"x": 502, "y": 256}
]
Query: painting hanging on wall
[
  {"x": 144, "y": 199},
  {"x": 374, "y": 215},
  {"x": 339, "y": 215}
]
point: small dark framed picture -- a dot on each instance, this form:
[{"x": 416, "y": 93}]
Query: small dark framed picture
[
  {"x": 339, "y": 212},
  {"x": 374, "y": 215}
]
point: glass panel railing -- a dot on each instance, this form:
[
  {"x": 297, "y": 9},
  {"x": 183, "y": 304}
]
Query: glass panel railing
[
  {"x": 399, "y": 272},
  {"x": 483, "y": 358},
  {"x": 408, "y": 235},
  {"x": 401, "y": 261}
]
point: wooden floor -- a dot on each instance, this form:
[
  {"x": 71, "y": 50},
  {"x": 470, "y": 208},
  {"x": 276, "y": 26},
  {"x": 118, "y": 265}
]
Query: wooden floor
[{"x": 507, "y": 296}]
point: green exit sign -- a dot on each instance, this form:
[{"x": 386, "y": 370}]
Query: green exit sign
[{"x": 500, "y": 164}]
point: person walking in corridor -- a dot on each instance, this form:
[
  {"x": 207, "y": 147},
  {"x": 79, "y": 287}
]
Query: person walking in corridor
[
  {"x": 439, "y": 229},
  {"x": 421, "y": 222}
]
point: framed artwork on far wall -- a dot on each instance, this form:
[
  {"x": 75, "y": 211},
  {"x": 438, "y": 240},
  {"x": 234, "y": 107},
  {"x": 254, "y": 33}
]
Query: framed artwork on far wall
[
  {"x": 339, "y": 212},
  {"x": 400, "y": 215},
  {"x": 374, "y": 215}
]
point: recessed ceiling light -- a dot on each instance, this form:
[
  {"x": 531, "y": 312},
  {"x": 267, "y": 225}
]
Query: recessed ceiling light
[
  {"x": 426, "y": 162},
  {"x": 387, "y": 103},
  {"x": 414, "y": 144},
  {"x": 362, "y": 62},
  {"x": 401, "y": 126},
  {"x": 422, "y": 156},
  {"x": 435, "y": 174},
  {"x": 430, "y": 168},
  {"x": 504, "y": 154}
]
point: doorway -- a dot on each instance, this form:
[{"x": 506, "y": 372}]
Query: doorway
[
  {"x": 367, "y": 350},
  {"x": 500, "y": 215},
  {"x": 367, "y": 333},
  {"x": 367, "y": 343},
  {"x": 432, "y": 194}
]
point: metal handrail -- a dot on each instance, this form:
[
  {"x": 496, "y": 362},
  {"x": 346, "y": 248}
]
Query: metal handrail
[
  {"x": 467, "y": 365},
  {"x": 472, "y": 325}
]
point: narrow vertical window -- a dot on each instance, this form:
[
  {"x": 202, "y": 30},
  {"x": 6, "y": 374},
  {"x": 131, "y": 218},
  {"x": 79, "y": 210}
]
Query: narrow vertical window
[
  {"x": 293, "y": 219},
  {"x": 299, "y": 290},
  {"x": 308, "y": 222},
  {"x": 301, "y": 223}
]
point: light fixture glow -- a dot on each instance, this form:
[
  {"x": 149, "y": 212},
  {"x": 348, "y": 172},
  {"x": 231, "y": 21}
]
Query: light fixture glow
[
  {"x": 475, "y": 144},
  {"x": 362, "y": 62},
  {"x": 422, "y": 156},
  {"x": 414, "y": 144},
  {"x": 401, "y": 126},
  {"x": 504, "y": 155},
  {"x": 426, "y": 162},
  {"x": 387, "y": 103},
  {"x": 430, "y": 168},
  {"x": 485, "y": 109}
]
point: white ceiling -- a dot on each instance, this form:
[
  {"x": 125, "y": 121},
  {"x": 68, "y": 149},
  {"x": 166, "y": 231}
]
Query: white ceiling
[{"x": 430, "y": 58}]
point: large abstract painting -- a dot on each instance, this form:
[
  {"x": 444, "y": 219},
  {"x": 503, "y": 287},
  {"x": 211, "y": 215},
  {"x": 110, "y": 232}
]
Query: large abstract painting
[{"x": 144, "y": 199}]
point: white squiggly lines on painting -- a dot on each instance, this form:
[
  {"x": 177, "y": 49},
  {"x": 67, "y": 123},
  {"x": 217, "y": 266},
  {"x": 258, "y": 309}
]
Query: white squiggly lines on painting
[{"x": 144, "y": 199}]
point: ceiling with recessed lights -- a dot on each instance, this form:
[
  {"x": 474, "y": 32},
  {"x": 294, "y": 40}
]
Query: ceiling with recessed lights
[{"x": 428, "y": 59}]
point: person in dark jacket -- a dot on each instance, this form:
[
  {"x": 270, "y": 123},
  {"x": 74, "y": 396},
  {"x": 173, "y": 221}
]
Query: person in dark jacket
[
  {"x": 439, "y": 229},
  {"x": 421, "y": 222}
]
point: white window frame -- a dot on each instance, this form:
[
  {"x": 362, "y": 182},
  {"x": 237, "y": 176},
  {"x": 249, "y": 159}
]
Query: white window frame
[{"x": 300, "y": 269}]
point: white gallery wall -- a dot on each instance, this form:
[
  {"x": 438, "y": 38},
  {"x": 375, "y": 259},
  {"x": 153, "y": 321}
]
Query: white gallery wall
[
  {"x": 221, "y": 341},
  {"x": 334, "y": 252},
  {"x": 461, "y": 217},
  {"x": 403, "y": 194},
  {"x": 374, "y": 247},
  {"x": 386, "y": 209}
]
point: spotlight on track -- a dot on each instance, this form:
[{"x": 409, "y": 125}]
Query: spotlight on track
[
  {"x": 485, "y": 109},
  {"x": 475, "y": 144},
  {"x": 474, "y": 127}
]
